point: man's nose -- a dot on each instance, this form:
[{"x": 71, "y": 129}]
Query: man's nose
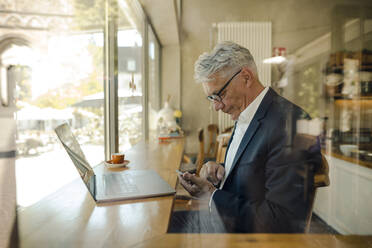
[{"x": 218, "y": 105}]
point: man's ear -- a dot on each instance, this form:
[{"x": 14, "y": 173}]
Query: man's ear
[{"x": 248, "y": 76}]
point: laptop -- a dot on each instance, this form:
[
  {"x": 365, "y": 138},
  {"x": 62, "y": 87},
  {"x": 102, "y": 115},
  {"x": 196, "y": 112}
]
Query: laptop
[{"x": 106, "y": 186}]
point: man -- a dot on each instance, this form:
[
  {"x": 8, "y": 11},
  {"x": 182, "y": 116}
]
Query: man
[{"x": 267, "y": 178}]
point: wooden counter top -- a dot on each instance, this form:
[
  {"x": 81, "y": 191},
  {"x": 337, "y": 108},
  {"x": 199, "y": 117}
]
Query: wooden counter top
[
  {"x": 348, "y": 159},
  {"x": 258, "y": 241},
  {"x": 71, "y": 218}
]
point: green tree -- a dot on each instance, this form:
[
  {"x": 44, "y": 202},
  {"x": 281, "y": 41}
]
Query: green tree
[
  {"x": 308, "y": 92},
  {"x": 68, "y": 94},
  {"x": 59, "y": 98}
]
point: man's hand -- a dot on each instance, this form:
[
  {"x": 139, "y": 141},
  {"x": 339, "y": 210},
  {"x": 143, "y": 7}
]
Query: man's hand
[
  {"x": 213, "y": 172},
  {"x": 196, "y": 186}
]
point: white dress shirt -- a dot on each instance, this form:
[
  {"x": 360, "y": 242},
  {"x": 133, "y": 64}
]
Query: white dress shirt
[{"x": 242, "y": 124}]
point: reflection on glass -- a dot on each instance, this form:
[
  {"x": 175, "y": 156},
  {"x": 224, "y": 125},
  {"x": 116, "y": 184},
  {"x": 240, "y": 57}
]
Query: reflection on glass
[
  {"x": 130, "y": 77},
  {"x": 332, "y": 79},
  {"x": 57, "y": 78},
  {"x": 154, "y": 80},
  {"x": 4, "y": 97}
]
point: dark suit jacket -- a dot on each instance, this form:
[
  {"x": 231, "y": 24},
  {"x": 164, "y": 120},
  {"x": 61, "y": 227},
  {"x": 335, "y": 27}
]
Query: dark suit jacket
[{"x": 270, "y": 181}]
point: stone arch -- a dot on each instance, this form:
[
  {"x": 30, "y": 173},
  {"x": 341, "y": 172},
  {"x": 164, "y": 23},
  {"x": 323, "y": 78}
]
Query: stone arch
[
  {"x": 35, "y": 22},
  {"x": 13, "y": 20},
  {"x": 53, "y": 23},
  {"x": 6, "y": 42},
  {"x": 16, "y": 39}
]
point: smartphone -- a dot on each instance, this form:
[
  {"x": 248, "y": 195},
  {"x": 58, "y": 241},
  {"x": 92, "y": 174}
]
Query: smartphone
[{"x": 181, "y": 174}]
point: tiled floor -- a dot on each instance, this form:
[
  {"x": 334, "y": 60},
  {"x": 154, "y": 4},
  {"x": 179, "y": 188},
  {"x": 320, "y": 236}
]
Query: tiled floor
[{"x": 319, "y": 226}]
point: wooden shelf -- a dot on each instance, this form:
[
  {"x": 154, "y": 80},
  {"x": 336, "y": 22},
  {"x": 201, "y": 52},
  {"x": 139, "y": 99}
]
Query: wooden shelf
[
  {"x": 362, "y": 102},
  {"x": 339, "y": 96},
  {"x": 339, "y": 68}
]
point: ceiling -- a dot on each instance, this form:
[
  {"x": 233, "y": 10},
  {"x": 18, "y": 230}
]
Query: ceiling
[{"x": 163, "y": 18}]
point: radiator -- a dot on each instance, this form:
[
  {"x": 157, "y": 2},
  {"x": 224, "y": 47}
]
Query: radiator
[{"x": 256, "y": 36}]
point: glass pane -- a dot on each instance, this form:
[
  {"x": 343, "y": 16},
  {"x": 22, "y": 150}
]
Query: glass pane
[
  {"x": 154, "y": 79},
  {"x": 321, "y": 60},
  {"x": 330, "y": 76},
  {"x": 58, "y": 78},
  {"x": 130, "y": 83}
]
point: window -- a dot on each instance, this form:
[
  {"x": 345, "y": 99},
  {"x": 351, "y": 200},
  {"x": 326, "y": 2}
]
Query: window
[
  {"x": 54, "y": 77},
  {"x": 55, "y": 71},
  {"x": 154, "y": 104},
  {"x": 131, "y": 65},
  {"x": 131, "y": 90}
]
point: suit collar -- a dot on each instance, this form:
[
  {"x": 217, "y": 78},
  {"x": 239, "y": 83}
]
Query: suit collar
[
  {"x": 248, "y": 113},
  {"x": 265, "y": 104}
]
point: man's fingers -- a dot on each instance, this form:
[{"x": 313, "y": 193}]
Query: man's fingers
[
  {"x": 192, "y": 178},
  {"x": 204, "y": 171},
  {"x": 193, "y": 189},
  {"x": 185, "y": 184},
  {"x": 220, "y": 172},
  {"x": 195, "y": 185},
  {"x": 187, "y": 176},
  {"x": 212, "y": 174}
]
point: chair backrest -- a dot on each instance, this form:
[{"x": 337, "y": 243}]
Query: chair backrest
[
  {"x": 200, "y": 159},
  {"x": 223, "y": 140},
  {"x": 228, "y": 129},
  {"x": 212, "y": 142},
  {"x": 321, "y": 179}
]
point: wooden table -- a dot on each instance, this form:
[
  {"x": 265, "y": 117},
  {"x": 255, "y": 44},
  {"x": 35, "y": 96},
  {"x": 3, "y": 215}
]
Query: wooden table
[
  {"x": 71, "y": 218},
  {"x": 258, "y": 241}
]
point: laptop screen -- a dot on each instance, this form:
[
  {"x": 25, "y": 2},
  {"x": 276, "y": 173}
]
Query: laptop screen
[{"x": 73, "y": 149}]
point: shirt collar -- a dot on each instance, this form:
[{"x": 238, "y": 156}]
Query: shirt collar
[{"x": 246, "y": 116}]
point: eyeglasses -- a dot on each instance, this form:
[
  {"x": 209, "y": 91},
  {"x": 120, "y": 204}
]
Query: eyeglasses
[{"x": 216, "y": 97}]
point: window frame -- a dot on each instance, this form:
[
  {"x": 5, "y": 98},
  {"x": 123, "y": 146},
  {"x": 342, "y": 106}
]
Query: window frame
[{"x": 111, "y": 68}]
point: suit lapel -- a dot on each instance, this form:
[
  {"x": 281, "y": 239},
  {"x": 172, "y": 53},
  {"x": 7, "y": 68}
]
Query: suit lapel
[
  {"x": 253, "y": 126},
  {"x": 228, "y": 145},
  {"x": 251, "y": 130}
]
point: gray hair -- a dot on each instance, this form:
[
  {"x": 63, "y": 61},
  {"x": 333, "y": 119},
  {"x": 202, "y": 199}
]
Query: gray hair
[{"x": 226, "y": 58}]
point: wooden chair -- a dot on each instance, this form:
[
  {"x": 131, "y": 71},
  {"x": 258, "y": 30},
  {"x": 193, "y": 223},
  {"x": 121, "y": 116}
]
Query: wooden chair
[
  {"x": 183, "y": 198},
  {"x": 321, "y": 179},
  {"x": 192, "y": 164},
  {"x": 212, "y": 142},
  {"x": 212, "y": 148},
  {"x": 200, "y": 158},
  {"x": 223, "y": 140},
  {"x": 228, "y": 129}
]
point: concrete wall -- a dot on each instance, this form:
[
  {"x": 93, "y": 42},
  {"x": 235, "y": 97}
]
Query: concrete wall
[
  {"x": 294, "y": 23},
  {"x": 171, "y": 75}
]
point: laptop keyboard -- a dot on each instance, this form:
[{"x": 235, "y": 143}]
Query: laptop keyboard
[{"x": 118, "y": 184}]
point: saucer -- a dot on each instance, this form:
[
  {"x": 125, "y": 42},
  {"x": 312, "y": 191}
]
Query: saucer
[{"x": 109, "y": 164}]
